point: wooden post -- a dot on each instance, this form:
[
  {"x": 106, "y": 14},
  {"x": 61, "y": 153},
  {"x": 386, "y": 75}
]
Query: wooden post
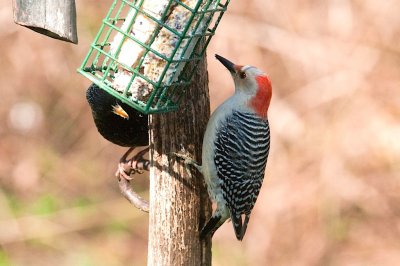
[
  {"x": 179, "y": 204},
  {"x": 55, "y": 18}
]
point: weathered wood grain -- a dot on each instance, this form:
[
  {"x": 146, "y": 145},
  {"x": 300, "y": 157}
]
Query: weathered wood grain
[
  {"x": 53, "y": 18},
  {"x": 179, "y": 204}
]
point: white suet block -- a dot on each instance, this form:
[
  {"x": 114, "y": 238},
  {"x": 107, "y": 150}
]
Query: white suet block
[{"x": 164, "y": 43}]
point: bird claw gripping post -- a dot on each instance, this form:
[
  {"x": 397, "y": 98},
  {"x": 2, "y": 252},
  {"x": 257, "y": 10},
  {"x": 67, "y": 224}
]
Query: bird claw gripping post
[{"x": 146, "y": 51}]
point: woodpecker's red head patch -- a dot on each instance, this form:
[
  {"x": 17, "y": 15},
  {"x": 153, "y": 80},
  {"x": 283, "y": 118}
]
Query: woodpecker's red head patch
[{"x": 260, "y": 102}]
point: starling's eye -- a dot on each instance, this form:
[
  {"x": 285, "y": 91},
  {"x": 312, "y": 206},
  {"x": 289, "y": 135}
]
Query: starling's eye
[{"x": 242, "y": 75}]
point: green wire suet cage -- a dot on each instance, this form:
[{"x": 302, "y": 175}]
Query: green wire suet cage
[{"x": 146, "y": 51}]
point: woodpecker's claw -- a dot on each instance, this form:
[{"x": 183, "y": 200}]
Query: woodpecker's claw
[{"x": 187, "y": 160}]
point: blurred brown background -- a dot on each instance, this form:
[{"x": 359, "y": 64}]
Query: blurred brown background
[{"x": 331, "y": 194}]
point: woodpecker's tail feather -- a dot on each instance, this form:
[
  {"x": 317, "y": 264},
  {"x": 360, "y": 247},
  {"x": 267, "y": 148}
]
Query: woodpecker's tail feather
[
  {"x": 212, "y": 225},
  {"x": 240, "y": 226}
]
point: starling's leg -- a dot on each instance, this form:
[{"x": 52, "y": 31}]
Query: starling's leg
[
  {"x": 138, "y": 163},
  {"x": 134, "y": 165},
  {"x": 124, "y": 171}
]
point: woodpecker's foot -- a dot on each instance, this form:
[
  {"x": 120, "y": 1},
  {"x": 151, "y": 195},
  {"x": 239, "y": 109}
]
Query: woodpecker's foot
[
  {"x": 125, "y": 169},
  {"x": 135, "y": 165},
  {"x": 187, "y": 159}
]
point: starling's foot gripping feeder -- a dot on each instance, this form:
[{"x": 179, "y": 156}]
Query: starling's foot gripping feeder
[
  {"x": 126, "y": 168},
  {"x": 136, "y": 165}
]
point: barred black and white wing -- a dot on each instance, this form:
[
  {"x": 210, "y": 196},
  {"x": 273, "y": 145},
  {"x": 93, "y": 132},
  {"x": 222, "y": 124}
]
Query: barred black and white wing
[{"x": 242, "y": 147}]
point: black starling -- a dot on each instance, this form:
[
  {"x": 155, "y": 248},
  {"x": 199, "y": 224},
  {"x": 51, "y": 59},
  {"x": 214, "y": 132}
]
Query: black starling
[
  {"x": 122, "y": 125},
  {"x": 116, "y": 121}
]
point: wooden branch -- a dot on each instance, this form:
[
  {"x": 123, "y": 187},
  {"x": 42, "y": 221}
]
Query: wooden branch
[
  {"x": 179, "y": 204},
  {"x": 131, "y": 195},
  {"x": 55, "y": 18}
]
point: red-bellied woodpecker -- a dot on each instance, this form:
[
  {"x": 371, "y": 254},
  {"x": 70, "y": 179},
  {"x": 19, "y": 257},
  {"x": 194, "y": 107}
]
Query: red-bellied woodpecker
[{"x": 235, "y": 149}]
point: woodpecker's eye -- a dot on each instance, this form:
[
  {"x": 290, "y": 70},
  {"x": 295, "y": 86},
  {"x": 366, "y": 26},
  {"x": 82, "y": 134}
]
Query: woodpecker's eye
[{"x": 242, "y": 75}]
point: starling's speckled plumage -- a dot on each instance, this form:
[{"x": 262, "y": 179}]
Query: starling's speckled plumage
[{"x": 124, "y": 132}]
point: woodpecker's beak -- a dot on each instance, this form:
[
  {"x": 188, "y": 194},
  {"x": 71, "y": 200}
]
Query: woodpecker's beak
[
  {"x": 118, "y": 110},
  {"x": 228, "y": 64}
]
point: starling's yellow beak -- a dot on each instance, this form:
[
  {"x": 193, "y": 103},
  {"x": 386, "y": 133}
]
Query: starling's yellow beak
[{"x": 117, "y": 109}]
